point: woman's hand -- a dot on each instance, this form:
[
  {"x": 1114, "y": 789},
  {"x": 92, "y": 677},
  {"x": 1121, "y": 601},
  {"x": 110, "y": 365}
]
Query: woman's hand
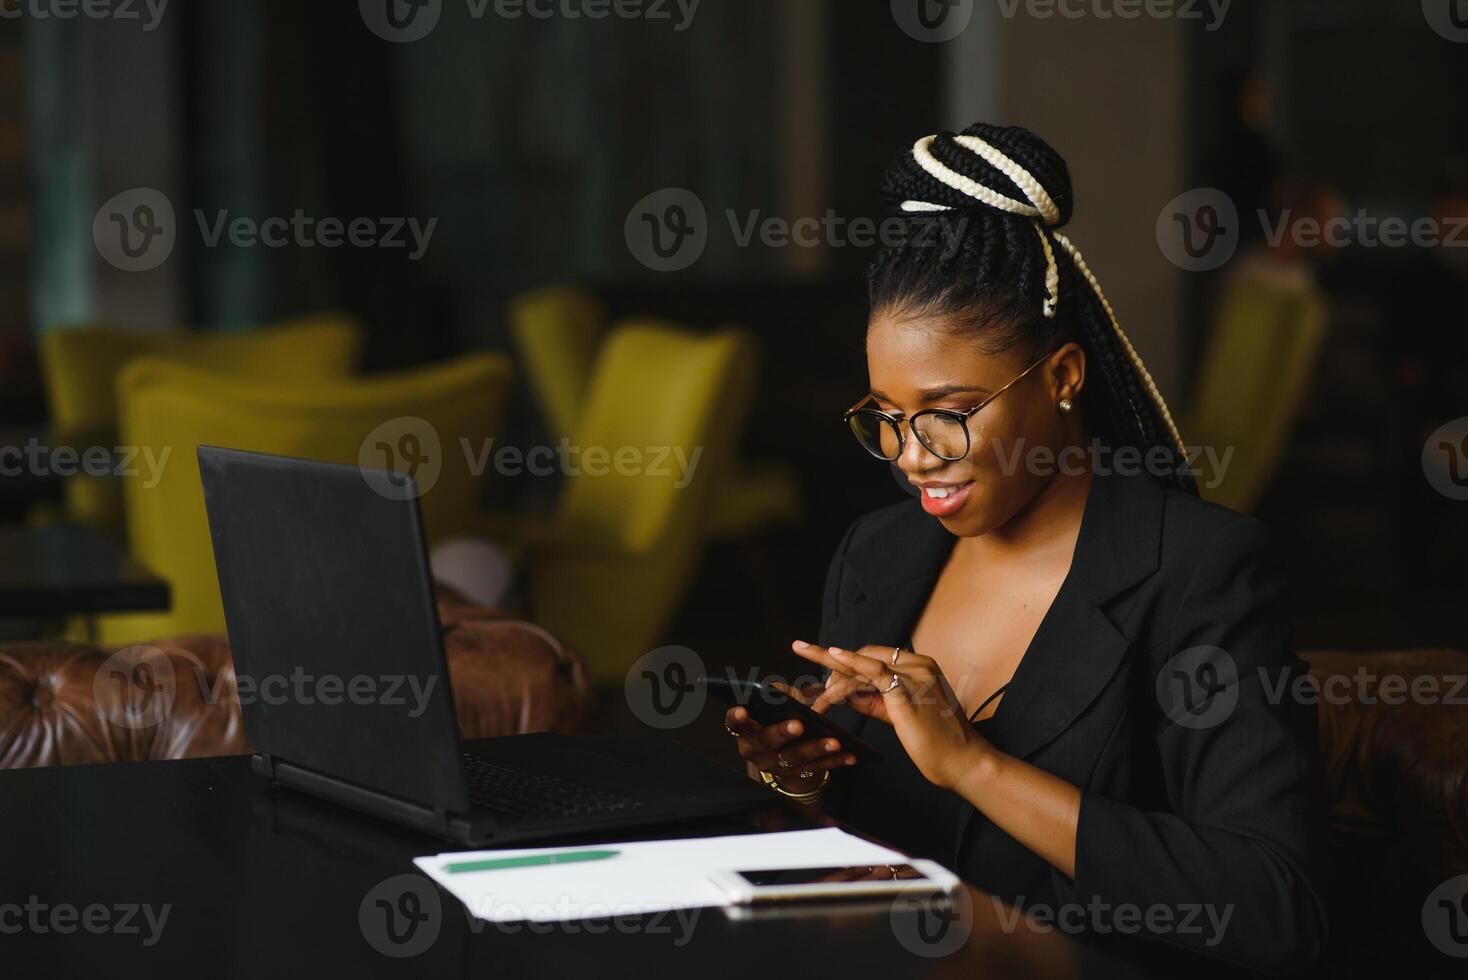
[
  {"x": 798, "y": 763},
  {"x": 912, "y": 695}
]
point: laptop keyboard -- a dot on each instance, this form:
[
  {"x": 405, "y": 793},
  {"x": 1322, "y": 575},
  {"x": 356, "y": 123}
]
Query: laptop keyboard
[{"x": 513, "y": 795}]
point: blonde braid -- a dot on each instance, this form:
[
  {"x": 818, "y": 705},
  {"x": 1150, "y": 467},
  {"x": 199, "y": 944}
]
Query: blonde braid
[{"x": 1126, "y": 343}]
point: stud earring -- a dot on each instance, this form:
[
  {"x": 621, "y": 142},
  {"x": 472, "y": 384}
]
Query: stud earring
[{"x": 1065, "y": 405}]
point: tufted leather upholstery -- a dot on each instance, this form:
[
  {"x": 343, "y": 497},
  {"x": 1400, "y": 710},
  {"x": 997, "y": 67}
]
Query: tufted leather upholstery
[
  {"x": 67, "y": 704},
  {"x": 1397, "y": 805}
]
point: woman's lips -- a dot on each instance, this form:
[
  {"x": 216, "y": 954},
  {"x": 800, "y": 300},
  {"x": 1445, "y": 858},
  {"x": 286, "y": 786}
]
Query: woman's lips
[{"x": 952, "y": 498}]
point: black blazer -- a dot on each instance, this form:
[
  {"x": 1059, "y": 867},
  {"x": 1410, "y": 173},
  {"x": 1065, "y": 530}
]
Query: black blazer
[{"x": 1153, "y": 685}]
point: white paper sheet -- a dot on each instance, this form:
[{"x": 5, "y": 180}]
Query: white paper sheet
[{"x": 647, "y": 876}]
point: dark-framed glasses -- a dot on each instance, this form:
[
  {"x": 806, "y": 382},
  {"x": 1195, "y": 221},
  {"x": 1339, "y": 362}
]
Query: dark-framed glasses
[{"x": 942, "y": 431}]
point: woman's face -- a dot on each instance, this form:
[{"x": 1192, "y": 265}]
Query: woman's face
[{"x": 916, "y": 363}]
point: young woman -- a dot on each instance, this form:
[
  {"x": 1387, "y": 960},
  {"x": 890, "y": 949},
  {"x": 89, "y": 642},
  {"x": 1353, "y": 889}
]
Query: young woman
[{"x": 1072, "y": 664}]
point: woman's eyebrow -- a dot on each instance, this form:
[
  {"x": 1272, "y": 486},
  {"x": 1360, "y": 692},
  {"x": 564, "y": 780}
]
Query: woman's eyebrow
[
  {"x": 937, "y": 394},
  {"x": 946, "y": 391}
]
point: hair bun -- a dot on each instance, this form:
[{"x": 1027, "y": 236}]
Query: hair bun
[{"x": 1003, "y": 168}]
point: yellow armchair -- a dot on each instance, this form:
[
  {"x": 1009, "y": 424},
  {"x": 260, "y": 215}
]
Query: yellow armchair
[
  {"x": 80, "y": 366},
  {"x": 439, "y": 415},
  {"x": 1256, "y": 368},
  {"x": 627, "y": 539},
  {"x": 558, "y": 332}
]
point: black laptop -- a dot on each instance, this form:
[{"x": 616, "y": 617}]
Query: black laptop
[{"x": 336, "y": 642}]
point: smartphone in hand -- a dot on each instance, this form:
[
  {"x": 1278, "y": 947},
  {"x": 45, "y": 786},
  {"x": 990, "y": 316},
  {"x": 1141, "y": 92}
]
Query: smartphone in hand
[{"x": 769, "y": 705}]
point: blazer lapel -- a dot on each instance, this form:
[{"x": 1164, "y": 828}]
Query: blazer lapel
[
  {"x": 894, "y": 571},
  {"x": 1079, "y": 646}
]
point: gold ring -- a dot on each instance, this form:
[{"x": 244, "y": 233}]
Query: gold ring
[
  {"x": 896, "y": 651},
  {"x": 895, "y": 681}
]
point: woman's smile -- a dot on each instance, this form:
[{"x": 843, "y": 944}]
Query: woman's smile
[{"x": 944, "y": 499}]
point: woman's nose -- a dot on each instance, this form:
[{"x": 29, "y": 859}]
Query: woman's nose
[{"x": 916, "y": 458}]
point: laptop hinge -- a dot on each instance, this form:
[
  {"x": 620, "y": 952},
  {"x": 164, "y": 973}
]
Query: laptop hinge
[{"x": 264, "y": 764}]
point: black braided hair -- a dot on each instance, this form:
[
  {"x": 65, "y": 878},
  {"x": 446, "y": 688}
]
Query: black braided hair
[{"x": 983, "y": 268}]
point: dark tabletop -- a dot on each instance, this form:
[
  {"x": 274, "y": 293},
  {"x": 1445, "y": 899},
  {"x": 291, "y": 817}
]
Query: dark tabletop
[
  {"x": 61, "y": 569},
  {"x": 264, "y": 882}
]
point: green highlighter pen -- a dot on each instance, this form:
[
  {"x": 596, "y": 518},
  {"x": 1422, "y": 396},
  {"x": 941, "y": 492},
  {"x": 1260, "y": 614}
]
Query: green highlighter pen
[{"x": 528, "y": 861}]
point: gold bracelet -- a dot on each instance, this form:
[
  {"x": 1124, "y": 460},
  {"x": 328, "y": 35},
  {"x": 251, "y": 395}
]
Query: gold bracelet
[{"x": 810, "y": 796}]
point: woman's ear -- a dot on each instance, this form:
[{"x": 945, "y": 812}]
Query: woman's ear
[{"x": 1067, "y": 371}]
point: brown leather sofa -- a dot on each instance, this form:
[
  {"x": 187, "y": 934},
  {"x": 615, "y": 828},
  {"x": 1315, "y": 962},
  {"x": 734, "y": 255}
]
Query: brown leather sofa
[
  {"x": 65, "y": 704},
  {"x": 1396, "y": 788}
]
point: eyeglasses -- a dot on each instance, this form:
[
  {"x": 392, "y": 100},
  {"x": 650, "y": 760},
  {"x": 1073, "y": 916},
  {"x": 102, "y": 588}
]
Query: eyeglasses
[{"x": 942, "y": 431}]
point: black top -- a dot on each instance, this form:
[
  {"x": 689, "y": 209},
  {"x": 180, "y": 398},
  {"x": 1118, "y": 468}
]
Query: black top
[{"x": 1153, "y": 684}]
